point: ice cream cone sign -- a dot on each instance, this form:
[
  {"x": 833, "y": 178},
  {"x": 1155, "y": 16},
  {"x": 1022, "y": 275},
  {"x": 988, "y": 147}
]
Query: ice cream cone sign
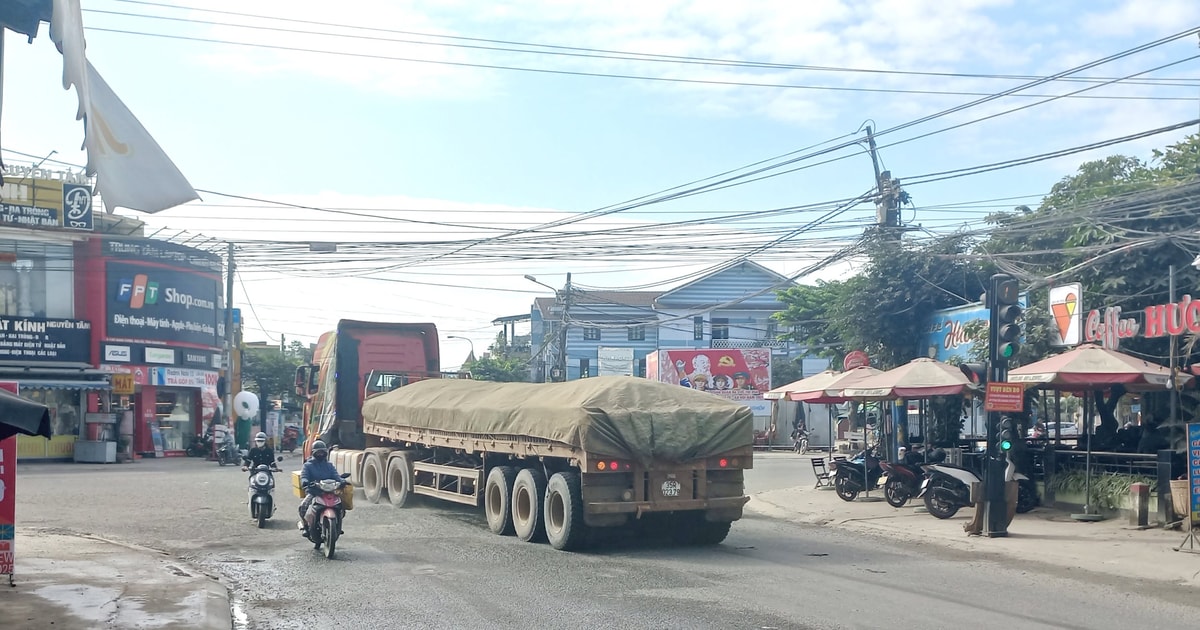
[{"x": 1065, "y": 310}]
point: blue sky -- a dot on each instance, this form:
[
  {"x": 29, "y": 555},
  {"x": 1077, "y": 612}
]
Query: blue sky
[{"x": 499, "y": 148}]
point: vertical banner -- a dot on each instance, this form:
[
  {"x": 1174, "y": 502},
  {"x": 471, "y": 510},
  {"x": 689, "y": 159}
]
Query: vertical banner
[
  {"x": 1193, "y": 437},
  {"x": 8, "y": 496}
]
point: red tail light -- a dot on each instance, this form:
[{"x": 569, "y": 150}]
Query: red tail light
[{"x": 723, "y": 462}]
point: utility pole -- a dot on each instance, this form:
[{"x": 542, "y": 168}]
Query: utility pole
[
  {"x": 230, "y": 266},
  {"x": 888, "y": 193},
  {"x": 561, "y": 361}
]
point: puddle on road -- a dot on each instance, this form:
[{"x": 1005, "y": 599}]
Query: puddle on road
[
  {"x": 237, "y": 608},
  {"x": 106, "y": 607}
]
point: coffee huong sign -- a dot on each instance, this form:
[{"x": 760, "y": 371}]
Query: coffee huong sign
[{"x": 1108, "y": 326}]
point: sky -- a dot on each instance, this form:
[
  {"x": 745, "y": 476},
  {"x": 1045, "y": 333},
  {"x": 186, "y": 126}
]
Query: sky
[{"x": 417, "y": 129}]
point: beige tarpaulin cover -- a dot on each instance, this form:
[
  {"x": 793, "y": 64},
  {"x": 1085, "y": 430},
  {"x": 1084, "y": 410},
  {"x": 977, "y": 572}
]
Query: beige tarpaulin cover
[{"x": 612, "y": 416}]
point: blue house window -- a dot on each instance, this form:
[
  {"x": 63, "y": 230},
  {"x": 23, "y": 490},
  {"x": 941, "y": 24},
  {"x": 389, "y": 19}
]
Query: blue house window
[
  {"x": 591, "y": 334},
  {"x": 637, "y": 333},
  {"x": 720, "y": 328}
]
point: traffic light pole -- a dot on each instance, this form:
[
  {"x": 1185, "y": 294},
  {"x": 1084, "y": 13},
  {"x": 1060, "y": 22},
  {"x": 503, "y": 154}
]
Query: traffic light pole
[{"x": 1003, "y": 332}]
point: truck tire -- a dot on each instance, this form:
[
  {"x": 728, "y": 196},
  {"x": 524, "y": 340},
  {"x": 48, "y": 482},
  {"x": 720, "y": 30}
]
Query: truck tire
[
  {"x": 563, "y": 512},
  {"x": 497, "y": 499},
  {"x": 701, "y": 532},
  {"x": 528, "y": 494},
  {"x": 399, "y": 479},
  {"x": 372, "y": 477}
]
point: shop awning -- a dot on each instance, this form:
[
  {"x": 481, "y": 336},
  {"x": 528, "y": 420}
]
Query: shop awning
[{"x": 27, "y": 383}]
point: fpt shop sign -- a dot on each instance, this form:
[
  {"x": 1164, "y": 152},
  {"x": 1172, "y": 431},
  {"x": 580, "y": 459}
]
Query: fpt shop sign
[{"x": 161, "y": 305}]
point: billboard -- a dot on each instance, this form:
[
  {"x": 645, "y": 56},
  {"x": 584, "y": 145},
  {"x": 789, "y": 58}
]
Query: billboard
[
  {"x": 741, "y": 375},
  {"x": 158, "y": 304},
  {"x": 31, "y": 339},
  {"x": 614, "y": 361},
  {"x": 946, "y": 336},
  {"x": 45, "y": 204},
  {"x": 1065, "y": 309}
]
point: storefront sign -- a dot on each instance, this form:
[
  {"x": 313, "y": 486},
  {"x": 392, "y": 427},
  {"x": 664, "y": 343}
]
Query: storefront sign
[
  {"x": 161, "y": 304},
  {"x": 123, "y": 384},
  {"x": 28, "y": 339},
  {"x": 141, "y": 373},
  {"x": 162, "y": 252},
  {"x": 855, "y": 359},
  {"x": 183, "y": 377},
  {"x": 1006, "y": 397},
  {"x": 161, "y": 356},
  {"x": 117, "y": 354},
  {"x": 195, "y": 358},
  {"x": 1108, "y": 327},
  {"x": 1066, "y": 307},
  {"x": 8, "y": 493},
  {"x": 46, "y": 204}
]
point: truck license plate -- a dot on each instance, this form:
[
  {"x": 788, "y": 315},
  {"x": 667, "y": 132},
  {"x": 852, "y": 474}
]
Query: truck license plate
[{"x": 670, "y": 488}]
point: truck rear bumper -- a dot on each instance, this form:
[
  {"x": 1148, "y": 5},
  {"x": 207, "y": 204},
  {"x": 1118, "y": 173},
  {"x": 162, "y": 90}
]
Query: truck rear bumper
[{"x": 645, "y": 507}]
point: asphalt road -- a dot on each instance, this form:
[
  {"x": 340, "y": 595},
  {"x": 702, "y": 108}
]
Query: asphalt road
[{"x": 435, "y": 565}]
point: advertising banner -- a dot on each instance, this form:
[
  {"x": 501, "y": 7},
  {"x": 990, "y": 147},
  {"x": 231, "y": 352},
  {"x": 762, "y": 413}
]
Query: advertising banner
[
  {"x": 162, "y": 252},
  {"x": 8, "y": 494},
  {"x": 946, "y": 334},
  {"x": 1193, "y": 435},
  {"x": 740, "y": 375},
  {"x": 30, "y": 339},
  {"x": 45, "y": 204},
  {"x": 1065, "y": 309},
  {"x": 161, "y": 304},
  {"x": 183, "y": 377},
  {"x": 614, "y": 361}
]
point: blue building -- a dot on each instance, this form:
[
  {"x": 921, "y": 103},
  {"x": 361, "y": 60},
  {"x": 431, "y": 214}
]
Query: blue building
[{"x": 611, "y": 332}]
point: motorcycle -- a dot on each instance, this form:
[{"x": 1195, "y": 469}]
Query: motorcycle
[
  {"x": 851, "y": 479},
  {"x": 800, "y": 441},
  {"x": 903, "y": 482},
  {"x": 262, "y": 490},
  {"x": 327, "y": 524},
  {"x": 947, "y": 489},
  {"x": 228, "y": 454},
  {"x": 201, "y": 446},
  {"x": 291, "y": 438}
]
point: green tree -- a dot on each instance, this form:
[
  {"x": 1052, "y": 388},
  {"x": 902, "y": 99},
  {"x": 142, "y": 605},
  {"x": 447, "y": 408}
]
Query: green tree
[
  {"x": 499, "y": 369},
  {"x": 785, "y": 372},
  {"x": 268, "y": 372}
]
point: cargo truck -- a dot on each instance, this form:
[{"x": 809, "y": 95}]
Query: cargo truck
[{"x": 543, "y": 460}]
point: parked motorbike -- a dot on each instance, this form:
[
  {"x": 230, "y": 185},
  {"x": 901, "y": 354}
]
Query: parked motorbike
[
  {"x": 262, "y": 492},
  {"x": 947, "y": 489},
  {"x": 201, "y": 446},
  {"x": 903, "y": 482},
  {"x": 291, "y": 438},
  {"x": 850, "y": 478},
  {"x": 327, "y": 524},
  {"x": 800, "y": 441}
]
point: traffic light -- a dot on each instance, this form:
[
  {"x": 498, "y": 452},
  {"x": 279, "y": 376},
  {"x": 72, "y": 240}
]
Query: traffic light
[
  {"x": 1004, "y": 329},
  {"x": 976, "y": 373},
  {"x": 1006, "y": 434}
]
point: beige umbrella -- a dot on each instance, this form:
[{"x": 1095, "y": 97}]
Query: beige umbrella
[
  {"x": 919, "y": 378},
  {"x": 1090, "y": 367},
  {"x": 831, "y": 393},
  {"x": 812, "y": 383}
]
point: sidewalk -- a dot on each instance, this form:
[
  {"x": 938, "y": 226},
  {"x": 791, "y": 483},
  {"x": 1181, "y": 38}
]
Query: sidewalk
[
  {"x": 67, "y": 581},
  {"x": 1044, "y": 535}
]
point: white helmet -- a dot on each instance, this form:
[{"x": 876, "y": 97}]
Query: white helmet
[{"x": 260, "y": 439}]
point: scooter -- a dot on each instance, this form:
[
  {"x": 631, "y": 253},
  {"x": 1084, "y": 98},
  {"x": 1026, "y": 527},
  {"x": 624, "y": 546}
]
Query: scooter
[
  {"x": 291, "y": 438},
  {"x": 947, "y": 489},
  {"x": 201, "y": 446},
  {"x": 228, "y": 453},
  {"x": 262, "y": 491},
  {"x": 800, "y": 441},
  {"x": 327, "y": 524},
  {"x": 850, "y": 478},
  {"x": 903, "y": 482}
]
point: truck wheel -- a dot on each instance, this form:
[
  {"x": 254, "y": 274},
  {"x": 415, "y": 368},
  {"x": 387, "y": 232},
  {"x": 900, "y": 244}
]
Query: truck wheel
[
  {"x": 399, "y": 479},
  {"x": 702, "y": 532},
  {"x": 529, "y": 490},
  {"x": 497, "y": 499},
  {"x": 563, "y": 512},
  {"x": 372, "y": 481}
]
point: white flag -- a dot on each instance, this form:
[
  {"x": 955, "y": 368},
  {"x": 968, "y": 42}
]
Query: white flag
[{"x": 131, "y": 170}]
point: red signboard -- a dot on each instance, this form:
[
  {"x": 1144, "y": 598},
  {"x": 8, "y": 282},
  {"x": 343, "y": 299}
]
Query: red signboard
[
  {"x": 742, "y": 374},
  {"x": 1004, "y": 397},
  {"x": 8, "y": 493}
]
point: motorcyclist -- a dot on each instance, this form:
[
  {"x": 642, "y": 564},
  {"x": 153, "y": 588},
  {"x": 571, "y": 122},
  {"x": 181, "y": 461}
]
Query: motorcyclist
[
  {"x": 260, "y": 454},
  {"x": 317, "y": 468}
]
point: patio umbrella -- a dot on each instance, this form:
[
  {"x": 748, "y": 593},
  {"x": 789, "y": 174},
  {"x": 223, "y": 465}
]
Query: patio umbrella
[
  {"x": 18, "y": 415},
  {"x": 919, "y": 378},
  {"x": 831, "y": 392},
  {"x": 1090, "y": 367},
  {"x": 814, "y": 382}
]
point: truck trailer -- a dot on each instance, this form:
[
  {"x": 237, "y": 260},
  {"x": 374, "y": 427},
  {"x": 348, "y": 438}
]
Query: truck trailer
[{"x": 543, "y": 460}]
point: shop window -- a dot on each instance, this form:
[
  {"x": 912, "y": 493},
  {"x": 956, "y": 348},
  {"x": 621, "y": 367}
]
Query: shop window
[{"x": 175, "y": 412}]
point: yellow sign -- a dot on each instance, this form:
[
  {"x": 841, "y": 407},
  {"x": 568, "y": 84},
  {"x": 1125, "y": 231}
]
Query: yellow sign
[{"x": 122, "y": 384}]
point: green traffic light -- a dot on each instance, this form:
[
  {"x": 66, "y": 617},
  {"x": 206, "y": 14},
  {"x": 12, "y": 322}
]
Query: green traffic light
[
  {"x": 1005, "y": 445},
  {"x": 1007, "y": 350}
]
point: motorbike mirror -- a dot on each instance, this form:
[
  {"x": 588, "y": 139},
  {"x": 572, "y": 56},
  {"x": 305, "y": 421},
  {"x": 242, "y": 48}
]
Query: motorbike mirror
[
  {"x": 279, "y": 459},
  {"x": 345, "y": 475}
]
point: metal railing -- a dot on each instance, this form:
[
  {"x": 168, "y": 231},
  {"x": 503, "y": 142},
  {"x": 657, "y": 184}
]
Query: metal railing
[{"x": 745, "y": 344}]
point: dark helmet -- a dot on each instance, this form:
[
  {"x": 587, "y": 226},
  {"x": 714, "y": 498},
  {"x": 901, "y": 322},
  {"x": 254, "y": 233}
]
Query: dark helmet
[{"x": 319, "y": 450}]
